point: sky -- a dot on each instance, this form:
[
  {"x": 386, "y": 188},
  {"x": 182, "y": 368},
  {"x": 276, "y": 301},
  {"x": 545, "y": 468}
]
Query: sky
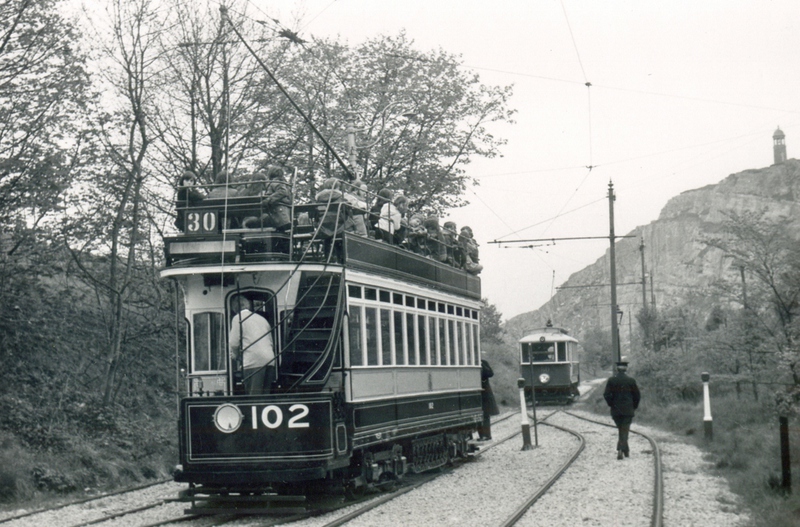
[{"x": 683, "y": 93}]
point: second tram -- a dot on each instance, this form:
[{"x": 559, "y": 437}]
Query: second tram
[{"x": 548, "y": 361}]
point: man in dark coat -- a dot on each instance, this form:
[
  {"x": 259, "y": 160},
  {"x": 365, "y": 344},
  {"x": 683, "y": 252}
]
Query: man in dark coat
[
  {"x": 487, "y": 401},
  {"x": 622, "y": 396}
]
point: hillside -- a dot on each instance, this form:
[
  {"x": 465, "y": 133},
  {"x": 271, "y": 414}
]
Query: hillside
[{"x": 682, "y": 266}]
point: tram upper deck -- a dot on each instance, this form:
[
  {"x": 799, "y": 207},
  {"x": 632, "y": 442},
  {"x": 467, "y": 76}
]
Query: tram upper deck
[{"x": 212, "y": 237}]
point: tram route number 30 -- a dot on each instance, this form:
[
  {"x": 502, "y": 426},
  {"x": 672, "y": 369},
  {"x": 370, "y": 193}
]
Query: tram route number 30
[{"x": 202, "y": 221}]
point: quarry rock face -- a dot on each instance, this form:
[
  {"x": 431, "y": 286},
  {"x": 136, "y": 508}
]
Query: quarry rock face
[{"x": 682, "y": 266}]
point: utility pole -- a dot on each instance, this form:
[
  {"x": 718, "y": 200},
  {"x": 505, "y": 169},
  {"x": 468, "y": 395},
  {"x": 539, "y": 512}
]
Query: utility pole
[
  {"x": 644, "y": 276},
  {"x": 613, "y": 268}
]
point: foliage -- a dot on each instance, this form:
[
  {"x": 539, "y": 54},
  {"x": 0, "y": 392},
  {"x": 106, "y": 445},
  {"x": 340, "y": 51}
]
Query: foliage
[
  {"x": 43, "y": 86},
  {"x": 491, "y": 323},
  {"x": 419, "y": 117},
  {"x": 765, "y": 256},
  {"x": 597, "y": 354}
]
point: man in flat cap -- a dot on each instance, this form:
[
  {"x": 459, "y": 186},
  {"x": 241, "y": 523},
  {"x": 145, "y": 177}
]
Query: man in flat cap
[{"x": 622, "y": 396}]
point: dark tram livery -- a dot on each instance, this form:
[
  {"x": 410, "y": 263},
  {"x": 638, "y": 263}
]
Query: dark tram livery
[
  {"x": 548, "y": 361},
  {"x": 377, "y": 368}
]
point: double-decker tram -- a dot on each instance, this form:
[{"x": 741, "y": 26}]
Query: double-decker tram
[
  {"x": 376, "y": 367},
  {"x": 548, "y": 361}
]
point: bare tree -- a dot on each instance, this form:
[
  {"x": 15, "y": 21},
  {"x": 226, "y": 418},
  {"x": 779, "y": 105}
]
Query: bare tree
[{"x": 104, "y": 236}]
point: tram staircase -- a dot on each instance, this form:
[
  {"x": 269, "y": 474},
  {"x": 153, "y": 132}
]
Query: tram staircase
[{"x": 307, "y": 357}]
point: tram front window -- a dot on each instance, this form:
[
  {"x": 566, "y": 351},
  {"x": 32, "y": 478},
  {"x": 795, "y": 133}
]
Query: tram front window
[
  {"x": 208, "y": 336},
  {"x": 538, "y": 352}
]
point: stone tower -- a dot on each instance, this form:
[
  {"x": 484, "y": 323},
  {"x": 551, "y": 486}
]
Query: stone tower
[{"x": 779, "y": 146}]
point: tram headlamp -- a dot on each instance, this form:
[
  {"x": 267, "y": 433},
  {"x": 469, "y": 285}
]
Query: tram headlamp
[
  {"x": 228, "y": 418},
  {"x": 544, "y": 378}
]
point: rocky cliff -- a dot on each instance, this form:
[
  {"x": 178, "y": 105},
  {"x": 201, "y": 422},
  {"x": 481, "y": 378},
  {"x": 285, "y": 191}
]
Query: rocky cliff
[{"x": 681, "y": 265}]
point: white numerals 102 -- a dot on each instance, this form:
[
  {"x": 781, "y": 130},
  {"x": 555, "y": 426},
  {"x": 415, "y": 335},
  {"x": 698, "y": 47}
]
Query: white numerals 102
[{"x": 272, "y": 416}]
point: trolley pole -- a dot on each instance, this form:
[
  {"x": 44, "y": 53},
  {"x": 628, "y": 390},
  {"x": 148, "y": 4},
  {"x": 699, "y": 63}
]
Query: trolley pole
[
  {"x": 523, "y": 417},
  {"x": 707, "y": 421}
]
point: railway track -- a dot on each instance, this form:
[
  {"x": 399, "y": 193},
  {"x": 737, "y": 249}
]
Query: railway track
[
  {"x": 527, "y": 514},
  {"x": 534, "y": 497},
  {"x": 91, "y": 507},
  {"x": 658, "y": 472}
]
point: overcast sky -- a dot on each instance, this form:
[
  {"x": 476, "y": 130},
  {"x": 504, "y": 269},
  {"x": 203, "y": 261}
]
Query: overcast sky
[{"x": 683, "y": 94}]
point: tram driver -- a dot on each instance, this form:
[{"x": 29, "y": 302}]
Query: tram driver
[{"x": 250, "y": 342}]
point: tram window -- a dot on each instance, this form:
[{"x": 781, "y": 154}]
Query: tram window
[
  {"x": 370, "y": 293},
  {"x": 432, "y": 340},
  {"x": 384, "y": 296},
  {"x": 464, "y": 339},
  {"x": 462, "y": 354},
  {"x": 355, "y": 335},
  {"x": 412, "y": 344},
  {"x": 471, "y": 348},
  {"x": 371, "y": 317},
  {"x": 562, "y": 351},
  {"x": 397, "y": 298},
  {"x": 539, "y": 351},
  {"x": 409, "y": 301},
  {"x": 453, "y": 342},
  {"x": 443, "y": 357},
  {"x": 209, "y": 342},
  {"x": 476, "y": 342},
  {"x": 354, "y": 291},
  {"x": 399, "y": 350},
  {"x": 386, "y": 338},
  {"x": 422, "y": 332}
]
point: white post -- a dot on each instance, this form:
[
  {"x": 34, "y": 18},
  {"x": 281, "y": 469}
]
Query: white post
[
  {"x": 707, "y": 421},
  {"x": 523, "y": 417}
]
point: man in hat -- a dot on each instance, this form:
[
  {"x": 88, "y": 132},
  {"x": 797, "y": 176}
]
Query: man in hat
[{"x": 622, "y": 396}]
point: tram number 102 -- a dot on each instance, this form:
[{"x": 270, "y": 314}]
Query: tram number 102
[
  {"x": 272, "y": 416},
  {"x": 202, "y": 221}
]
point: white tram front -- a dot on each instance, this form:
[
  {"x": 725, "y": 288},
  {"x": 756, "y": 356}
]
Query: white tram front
[{"x": 548, "y": 361}]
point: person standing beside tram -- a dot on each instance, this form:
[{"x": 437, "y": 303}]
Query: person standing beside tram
[{"x": 250, "y": 341}]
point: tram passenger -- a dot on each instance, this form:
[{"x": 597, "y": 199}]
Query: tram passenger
[
  {"x": 331, "y": 214},
  {"x": 188, "y": 196},
  {"x": 251, "y": 185},
  {"x": 390, "y": 225},
  {"x": 416, "y": 235},
  {"x": 469, "y": 248},
  {"x": 250, "y": 343},
  {"x": 277, "y": 201},
  {"x": 487, "y": 401},
  {"x": 354, "y": 196},
  {"x": 450, "y": 235},
  {"x": 622, "y": 396},
  {"x": 384, "y": 196},
  {"x": 222, "y": 187},
  {"x": 435, "y": 243}
]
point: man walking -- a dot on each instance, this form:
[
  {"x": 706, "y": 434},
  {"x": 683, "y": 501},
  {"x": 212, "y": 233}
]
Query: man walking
[{"x": 622, "y": 396}]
